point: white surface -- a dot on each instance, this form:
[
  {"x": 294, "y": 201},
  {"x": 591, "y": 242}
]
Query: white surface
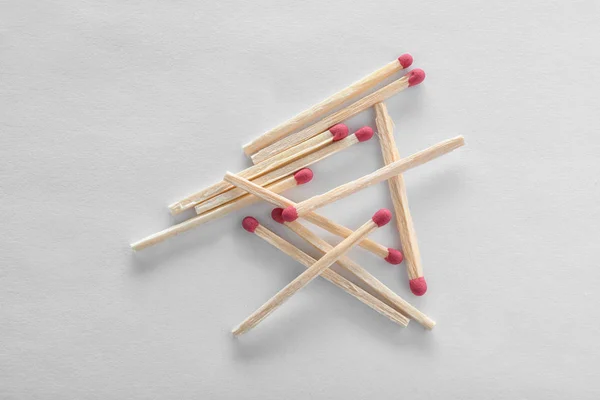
[{"x": 111, "y": 110}]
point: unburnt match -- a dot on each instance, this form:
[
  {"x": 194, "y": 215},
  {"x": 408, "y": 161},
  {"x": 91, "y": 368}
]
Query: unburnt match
[
  {"x": 291, "y": 213},
  {"x": 404, "y": 222},
  {"x": 329, "y": 104},
  {"x": 379, "y": 219},
  {"x": 252, "y": 225},
  {"x": 413, "y": 78}
]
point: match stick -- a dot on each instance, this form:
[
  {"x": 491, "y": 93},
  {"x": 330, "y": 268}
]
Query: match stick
[
  {"x": 301, "y": 177},
  {"x": 413, "y": 78},
  {"x": 404, "y": 222},
  {"x": 360, "y": 273},
  {"x": 252, "y": 225},
  {"x": 363, "y": 134},
  {"x": 380, "y": 218},
  {"x": 327, "y": 105},
  {"x": 333, "y": 134},
  {"x": 382, "y": 174},
  {"x": 390, "y": 255}
]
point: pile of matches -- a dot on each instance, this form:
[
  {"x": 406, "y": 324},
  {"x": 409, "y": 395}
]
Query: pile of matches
[{"x": 281, "y": 157}]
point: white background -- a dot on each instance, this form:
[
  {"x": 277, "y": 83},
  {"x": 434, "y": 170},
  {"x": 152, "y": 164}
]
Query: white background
[{"x": 111, "y": 110}]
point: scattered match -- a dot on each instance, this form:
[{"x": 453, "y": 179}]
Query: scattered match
[
  {"x": 252, "y": 225},
  {"x": 379, "y": 219},
  {"x": 279, "y": 161}
]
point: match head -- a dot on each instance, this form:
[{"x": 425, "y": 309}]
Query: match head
[
  {"x": 382, "y": 217},
  {"x": 415, "y": 77},
  {"x": 418, "y": 286},
  {"x": 339, "y": 132},
  {"x": 276, "y": 215},
  {"x": 405, "y": 60},
  {"x": 303, "y": 176},
  {"x": 289, "y": 214},
  {"x": 250, "y": 224},
  {"x": 363, "y": 134},
  {"x": 394, "y": 256}
]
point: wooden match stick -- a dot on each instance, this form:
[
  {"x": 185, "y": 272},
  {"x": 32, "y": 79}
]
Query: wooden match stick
[
  {"x": 404, "y": 222},
  {"x": 363, "y": 134},
  {"x": 413, "y": 78},
  {"x": 253, "y": 226},
  {"x": 301, "y": 177},
  {"x": 366, "y": 279},
  {"x": 327, "y": 105},
  {"x": 333, "y": 134},
  {"x": 390, "y": 255},
  {"x": 382, "y": 174},
  {"x": 379, "y": 219}
]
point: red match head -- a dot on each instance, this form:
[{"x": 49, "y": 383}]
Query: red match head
[
  {"x": 394, "y": 256},
  {"x": 405, "y": 60},
  {"x": 289, "y": 214},
  {"x": 415, "y": 77},
  {"x": 363, "y": 134},
  {"x": 382, "y": 217},
  {"x": 250, "y": 224},
  {"x": 418, "y": 286},
  {"x": 276, "y": 215},
  {"x": 303, "y": 176},
  {"x": 339, "y": 132}
]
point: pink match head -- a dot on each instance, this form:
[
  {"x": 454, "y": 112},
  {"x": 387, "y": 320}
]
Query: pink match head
[
  {"x": 276, "y": 215},
  {"x": 394, "y": 256},
  {"x": 382, "y": 217},
  {"x": 418, "y": 286},
  {"x": 289, "y": 214},
  {"x": 415, "y": 77},
  {"x": 339, "y": 132},
  {"x": 363, "y": 134},
  {"x": 303, "y": 176},
  {"x": 250, "y": 224},
  {"x": 405, "y": 60}
]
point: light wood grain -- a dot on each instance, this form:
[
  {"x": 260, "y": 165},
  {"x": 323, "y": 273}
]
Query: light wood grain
[
  {"x": 323, "y": 108},
  {"x": 325, "y": 223},
  {"x": 365, "y": 278},
  {"x": 277, "y": 187},
  {"x": 335, "y": 118},
  {"x": 332, "y": 276},
  {"x": 343, "y": 232},
  {"x": 304, "y": 278},
  {"x": 404, "y": 222},
  {"x": 281, "y": 159},
  {"x": 269, "y": 177},
  {"x": 380, "y": 175}
]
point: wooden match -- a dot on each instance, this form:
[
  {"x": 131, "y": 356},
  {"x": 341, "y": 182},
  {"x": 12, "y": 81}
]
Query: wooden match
[
  {"x": 253, "y": 226},
  {"x": 380, "y": 218},
  {"x": 291, "y": 213},
  {"x": 301, "y": 177},
  {"x": 333, "y": 134},
  {"x": 360, "y": 273},
  {"x": 363, "y": 134},
  {"x": 404, "y": 222},
  {"x": 413, "y": 78},
  {"x": 390, "y": 255},
  {"x": 329, "y": 104},
  {"x": 280, "y": 158}
]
